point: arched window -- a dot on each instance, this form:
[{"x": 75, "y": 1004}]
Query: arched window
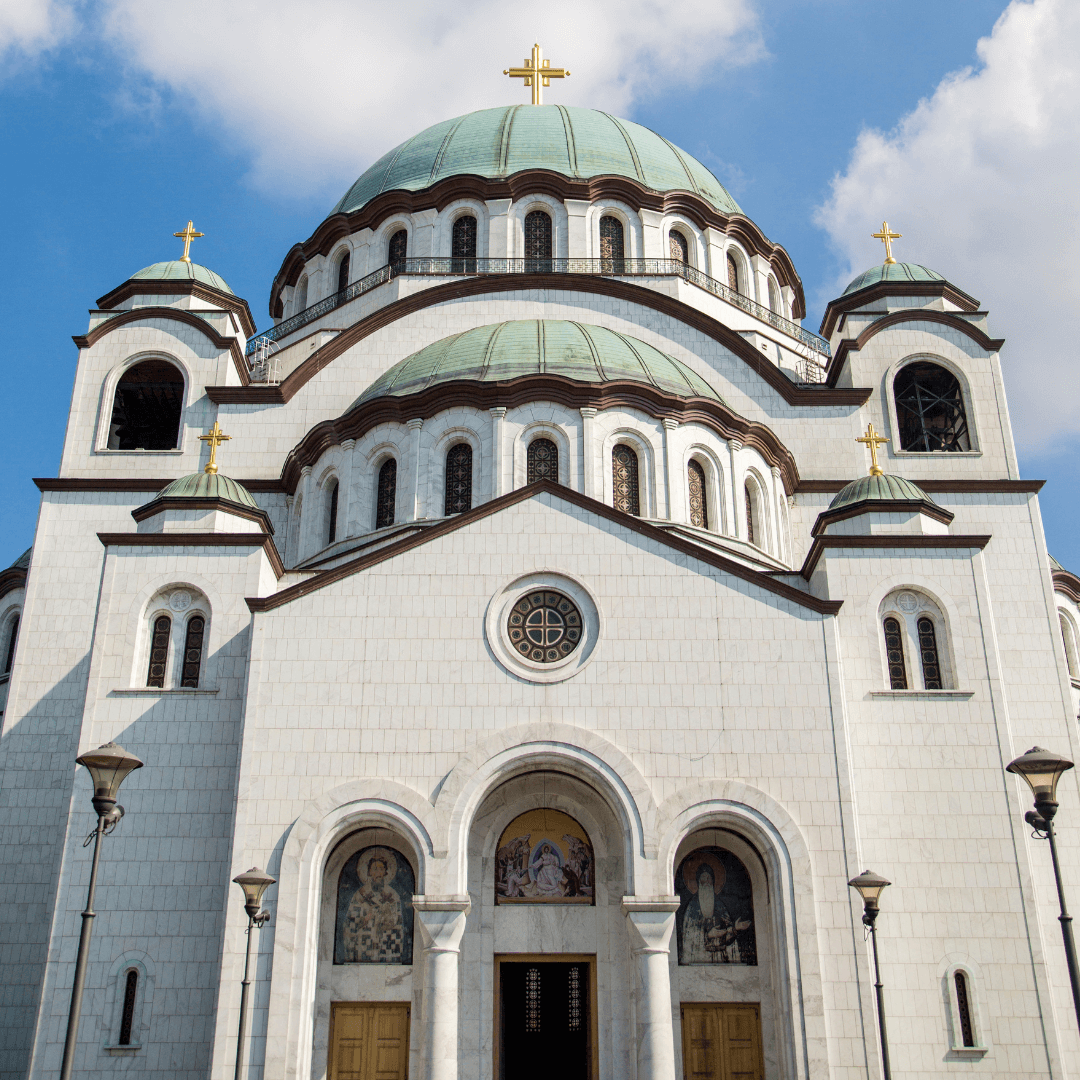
[
  {"x": 544, "y": 857},
  {"x": 386, "y": 498},
  {"x": 750, "y": 514},
  {"x": 774, "y": 298},
  {"x": 543, "y": 461},
  {"x": 928, "y": 652},
  {"x": 159, "y": 651},
  {"x": 193, "y": 650},
  {"x": 398, "y": 249},
  {"x": 9, "y": 645},
  {"x": 732, "y": 273},
  {"x": 963, "y": 1008},
  {"x": 715, "y": 893},
  {"x": 301, "y": 295},
  {"x": 463, "y": 247},
  {"x": 624, "y": 480},
  {"x": 678, "y": 248},
  {"x": 1068, "y": 639},
  {"x": 458, "y": 479},
  {"x": 930, "y": 409},
  {"x": 894, "y": 654},
  {"x": 699, "y": 506},
  {"x": 146, "y": 408},
  {"x": 331, "y": 514},
  {"x": 374, "y": 923},
  {"x": 537, "y": 241},
  {"x": 343, "y": 272},
  {"x": 127, "y": 1013},
  {"x": 612, "y": 247}
]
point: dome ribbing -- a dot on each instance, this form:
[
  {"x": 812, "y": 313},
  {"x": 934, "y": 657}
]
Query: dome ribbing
[
  {"x": 874, "y": 488},
  {"x": 178, "y": 270},
  {"x": 892, "y": 272},
  {"x": 204, "y": 485}
]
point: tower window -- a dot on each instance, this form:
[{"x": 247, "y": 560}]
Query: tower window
[
  {"x": 458, "y": 479},
  {"x": 301, "y": 294},
  {"x": 127, "y": 1015},
  {"x": 1068, "y": 639},
  {"x": 624, "y": 480},
  {"x": 894, "y": 653},
  {"x": 146, "y": 408},
  {"x": 930, "y": 409},
  {"x": 678, "y": 248},
  {"x": 612, "y": 247},
  {"x": 398, "y": 249},
  {"x": 543, "y": 461},
  {"x": 332, "y": 510},
  {"x": 12, "y": 639},
  {"x": 929, "y": 654},
  {"x": 699, "y": 508},
  {"x": 963, "y": 1009},
  {"x": 749, "y": 498},
  {"x": 774, "y": 298},
  {"x": 159, "y": 651},
  {"x": 343, "y": 272},
  {"x": 732, "y": 273},
  {"x": 537, "y": 240},
  {"x": 386, "y": 499},
  {"x": 193, "y": 649},
  {"x": 464, "y": 244}
]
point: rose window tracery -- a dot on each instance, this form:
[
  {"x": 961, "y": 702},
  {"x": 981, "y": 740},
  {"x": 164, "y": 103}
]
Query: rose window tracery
[{"x": 545, "y": 626}]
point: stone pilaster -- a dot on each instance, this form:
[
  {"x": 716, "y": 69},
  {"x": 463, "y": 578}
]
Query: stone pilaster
[
  {"x": 442, "y": 924},
  {"x": 649, "y": 924},
  {"x": 588, "y": 456},
  {"x": 413, "y": 505}
]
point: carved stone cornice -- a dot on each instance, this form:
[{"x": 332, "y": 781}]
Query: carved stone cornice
[{"x": 138, "y": 287}]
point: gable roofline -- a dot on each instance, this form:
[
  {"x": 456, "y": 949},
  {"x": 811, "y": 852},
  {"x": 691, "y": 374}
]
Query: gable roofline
[
  {"x": 542, "y": 487},
  {"x": 852, "y": 301}
]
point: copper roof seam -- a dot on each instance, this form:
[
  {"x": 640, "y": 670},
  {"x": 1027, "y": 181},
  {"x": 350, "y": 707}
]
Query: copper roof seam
[
  {"x": 444, "y": 146},
  {"x": 593, "y": 350},
  {"x": 637, "y": 356},
  {"x": 629, "y": 146},
  {"x": 571, "y": 146},
  {"x": 440, "y": 356},
  {"x": 393, "y": 161},
  {"x": 507, "y": 128},
  {"x": 486, "y": 363},
  {"x": 686, "y": 168}
]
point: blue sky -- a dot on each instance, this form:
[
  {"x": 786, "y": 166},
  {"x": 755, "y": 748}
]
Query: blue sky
[{"x": 113, "y": 141}]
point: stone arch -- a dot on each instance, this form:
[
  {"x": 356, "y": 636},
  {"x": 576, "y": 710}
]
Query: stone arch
[
  {"x": 110, "y": 390},
  {"x": 966, "y": 395}
]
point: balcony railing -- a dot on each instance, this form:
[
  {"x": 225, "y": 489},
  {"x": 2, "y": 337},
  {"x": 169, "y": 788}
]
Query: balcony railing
[{"x": 449, "y": 267}]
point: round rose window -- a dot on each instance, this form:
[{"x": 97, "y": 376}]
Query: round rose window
[{"x": 544, "y": 626}]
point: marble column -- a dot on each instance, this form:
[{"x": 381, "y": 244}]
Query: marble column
[
  {"x": 345, "y": 488},
  {"x": 413, "y": 504},
  {"x": 499, "y": 239},
  {"x": 442, "y": 924},
  {"x": 588, "y": 455},
  {"x": 780, "y": 541},
  {"x": 307, "y": 512},
  {"x": 670, "y": 424},
  {"x": 738, "y": 499},
  {"x": 497, "y": 480},
  {"x": 649, "y": 924},
  {"x": 577, "y": 229}
]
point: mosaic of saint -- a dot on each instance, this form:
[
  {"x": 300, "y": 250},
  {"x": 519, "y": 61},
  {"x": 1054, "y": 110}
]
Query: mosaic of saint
[
  {"x": 715, "y": 920},
  {"x": 544, "y": 857},
  {"x": 374, "y": 909}
]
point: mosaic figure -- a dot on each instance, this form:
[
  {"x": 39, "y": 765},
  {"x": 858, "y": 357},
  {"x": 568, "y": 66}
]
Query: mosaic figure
[
  {"x": 374, "y": 910},
  {"x": 544, "y": 856},
  {"x": 715, "y": 920}
]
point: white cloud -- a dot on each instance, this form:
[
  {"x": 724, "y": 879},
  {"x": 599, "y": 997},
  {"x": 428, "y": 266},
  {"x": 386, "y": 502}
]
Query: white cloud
[
  {"x": 30, "y": 27},
  {"x": 317, "y": 91},
  {"x": 981, "y": 179}
]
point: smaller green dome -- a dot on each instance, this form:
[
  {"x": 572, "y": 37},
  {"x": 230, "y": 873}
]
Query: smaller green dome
[
  {"x": 886, "y": 488},
  {"x": 204, "y": 485},
  {"x": 898, "y": 272},
  {"x": 23, "y": 561},
  {"x": 178, "y": 270}
]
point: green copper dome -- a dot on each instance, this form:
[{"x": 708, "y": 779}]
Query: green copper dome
[
  {"x": 204, "y": 485},
  {"x": 575, "y": 142},
  {"x": 23, "y": 561},
  {"x": 885, "y": 487},
  {"x": 509, "y": 350},
  {"x": 178, "y": 270},
  {"x": 898, "y": 272}
]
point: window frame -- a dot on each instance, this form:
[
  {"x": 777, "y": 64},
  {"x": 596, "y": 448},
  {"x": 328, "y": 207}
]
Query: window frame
[
  {"x": 159, "y": 606},
  {"x": 452, "y": 444},
  {"x": 928, "y": 606},
  {"x": 380, "y": 464},
  {"x": 1069, "y": 642},
  {"x": 970, "y": 412},
  {"x": 108, "y": 399},
  {"x": 344, "y": 255}
]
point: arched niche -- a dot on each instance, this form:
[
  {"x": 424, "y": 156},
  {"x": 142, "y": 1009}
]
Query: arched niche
[
  {"x": 544, "y": 856},
  {"x": 147, "y": 404}
]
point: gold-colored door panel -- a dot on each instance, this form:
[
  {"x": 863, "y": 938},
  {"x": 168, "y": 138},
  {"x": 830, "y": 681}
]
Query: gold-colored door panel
[
  {"x": 722, "y": 1041},
  {"x": 369, "y": 1041}
]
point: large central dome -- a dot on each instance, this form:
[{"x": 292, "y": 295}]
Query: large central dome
[{"x": 578, "y": 143}]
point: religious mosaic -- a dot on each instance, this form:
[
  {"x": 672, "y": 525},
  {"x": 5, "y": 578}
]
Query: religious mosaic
[
  {"x": 374, "y": 909},
  {"x": 715, "y": 920},
  {"x": 544, "y": 857}
]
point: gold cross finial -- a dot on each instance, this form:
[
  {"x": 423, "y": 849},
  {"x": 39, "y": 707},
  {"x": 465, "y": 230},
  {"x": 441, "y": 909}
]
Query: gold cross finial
[
  {"x": 887, "y": 237},
  {"x": 187, "y": 235},
  {"x": 873, "y": 440},
  {"x": 537, "y": 73},
  {"x": 215, "y": 439}
]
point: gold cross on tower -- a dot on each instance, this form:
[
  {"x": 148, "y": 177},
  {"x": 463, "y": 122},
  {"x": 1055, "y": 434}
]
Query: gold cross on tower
[
  {"x": 537, "y": 73},
  {"x": 187, "y": 235},
  {"x": 215, "y": 439},
  {"x": 873, "y": 440},
  {"x": 887, "y": 237}
]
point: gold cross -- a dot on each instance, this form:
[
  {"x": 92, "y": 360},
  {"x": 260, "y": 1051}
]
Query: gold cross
[
  {"x": 187, "y": 235},
  {"x": 537, "y": 73},
  {"x": 887, "y": 237},
  {"x": 215, "y": 438},
  {"x": 873, "y": 440}
]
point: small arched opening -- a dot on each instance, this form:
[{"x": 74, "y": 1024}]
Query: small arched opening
[
  {"x": 146, "y": 407},
  {"x": 463, "y": 245}
]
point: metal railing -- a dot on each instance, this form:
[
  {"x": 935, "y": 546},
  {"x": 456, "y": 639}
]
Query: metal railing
[{"x": 449, "y": 267}]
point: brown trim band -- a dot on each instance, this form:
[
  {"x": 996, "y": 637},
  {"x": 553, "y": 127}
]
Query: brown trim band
[
  {"x": 452, "y": 524},
  {"x": 462, "y": 288},
  {"x": 977, "y": 487},
  {"x": 1064, "y": 582},
  {"x": 198, "y": 539},
  {"x": 239, "y": 510},
  {"x": 134, "y": 483},
  {"x": 131, "y": 287},
  {"x": 881, "y": 506},
  {"x": 893, "y": 540},
  {"x": 842, "y": 305},
  {"x": 14, "y": 577}
]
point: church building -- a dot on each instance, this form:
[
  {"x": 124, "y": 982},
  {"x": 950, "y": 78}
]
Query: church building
[{"x": 561, "y": 625}]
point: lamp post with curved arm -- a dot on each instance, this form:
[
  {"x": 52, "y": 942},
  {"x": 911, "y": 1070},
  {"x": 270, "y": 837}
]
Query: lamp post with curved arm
[
  {"x": 870, "y": 887},
  {"x": 254, "y": 882}
]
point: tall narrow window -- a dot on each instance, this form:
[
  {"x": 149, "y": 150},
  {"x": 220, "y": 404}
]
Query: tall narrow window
[
  {"x": 463, "y": 248},
  {"x": 931, "y": 669},
  {"x": 146, "y": 408},
  {"x": 749, "y": 513},
  {"x": 12, "y": 638},
  {"x": 1068, "y": 639},
  {"x": 301, "y": 294},
  {"x": 699, "y": 507},
  {"x": 963, "y": 1009},
  {"x": 774, "y": 297},
  {"x": 458, "y": 479},
  {"x": 343, "y": 272},
  {"x": 612, "y": 247},
  {"x": 537, "y": 241},
  {"x": 386, "y": 500},
  {"x": 678, "y": 248},
  {"x": 398, "y": 249},
  {"x": 193, "y": 649},
  {"x": 159, "y": 651},
  {"x": 894, "y": 653},
  {"x": 331, "y": 525},
  {"x": 930, "y": 409},
  {"x": 624, "y": 480},
  {"x": 732, "y": 273},
  {"x": 127, "y": 1015},
  {"x": 543, "y": 461}
]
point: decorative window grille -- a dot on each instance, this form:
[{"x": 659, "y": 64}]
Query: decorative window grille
[
  {"x": 458, "y": 479},
  {"x": 963, "y": 1009},
  {"x": 543, "y": 461},
  {"x": 929, "y": 653},
  {"x": 127, "y": 1016},
  {"x": 678, "y": 248},
  {"x": 612, "y": 247},
  {"x": 574, "y": 1010},
  {"x": 699, "y": 508},
  {"x": 538, "y": 240},
  {"x": 749, "y": 513},
  {"x": 159, "y": 651},
  {"x": 13, "y": 637},
  {"x": 331, "y": 527},
  {"x": 532, "y": 999},
  {"x": 894, "y": 654},
  {"x": 463, "y": 248},
  {"x": 624, "y": 479},
  {"x": 774, "y": 298},
  {"x": 193, "y": 649},
  {"x": 398, "y": 249},
  {"x": 343, "y": 272},
  {"x": 386, "y": 501},
  {"x": 147, "y": 406},
  {"x": 301, "y": 294},
  {"x": 930, "y": 409},
  {"x": 732, "y": 273}
]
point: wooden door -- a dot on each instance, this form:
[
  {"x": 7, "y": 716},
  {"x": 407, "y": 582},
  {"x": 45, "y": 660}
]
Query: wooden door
[
  {"x": 369, "y": 1041},
  {"x": 722, "y": 1042}
]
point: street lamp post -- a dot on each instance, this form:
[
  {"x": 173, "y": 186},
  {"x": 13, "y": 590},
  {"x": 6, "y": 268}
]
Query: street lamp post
[
  {"x": 254, "y": 883},
  {"x": 870, "y": 886},
  {"x": 107, "y": 765},
  {"x": 1042, "y": 770}
]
